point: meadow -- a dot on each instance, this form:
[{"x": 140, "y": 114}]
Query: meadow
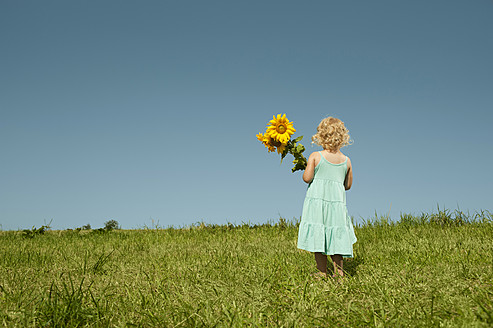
[{"x": 421, "y": 271}]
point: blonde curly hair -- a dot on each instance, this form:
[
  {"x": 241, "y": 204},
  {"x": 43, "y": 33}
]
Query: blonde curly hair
[{"x": 332, "y": 134}]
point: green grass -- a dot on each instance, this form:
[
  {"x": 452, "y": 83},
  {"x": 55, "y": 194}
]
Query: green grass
[{"x": 429, "y": 270}]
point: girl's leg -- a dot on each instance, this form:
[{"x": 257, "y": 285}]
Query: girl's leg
[
  {"x": 337, "y": 261},
  {"x": 321, "y": 260}
]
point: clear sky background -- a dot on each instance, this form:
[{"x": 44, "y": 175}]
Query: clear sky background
[{"x": 144, "y": 111}]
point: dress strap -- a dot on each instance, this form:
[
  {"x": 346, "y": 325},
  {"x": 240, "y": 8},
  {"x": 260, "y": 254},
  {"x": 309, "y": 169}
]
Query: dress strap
[{"x": 345, "y": 161}]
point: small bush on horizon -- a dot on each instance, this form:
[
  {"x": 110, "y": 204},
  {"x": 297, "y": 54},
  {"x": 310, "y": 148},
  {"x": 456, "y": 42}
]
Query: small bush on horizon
[
  {"x": 31, "y": 233},
  {"x": 111, "y": 225}
]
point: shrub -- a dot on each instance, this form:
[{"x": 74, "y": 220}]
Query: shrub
[
  {"x": 35, "y": 231},
  {"x": 111, "y": 225}
]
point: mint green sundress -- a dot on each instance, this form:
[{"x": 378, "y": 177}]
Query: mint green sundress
[{"x": 325, "y": 225}]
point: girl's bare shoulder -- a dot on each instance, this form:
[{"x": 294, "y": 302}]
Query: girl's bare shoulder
[
  {"x": 314, "y": 157},
  {"x": 348, "y": 160}
]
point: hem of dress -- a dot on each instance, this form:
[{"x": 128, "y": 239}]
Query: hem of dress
[{"x": 308, "y": 249}]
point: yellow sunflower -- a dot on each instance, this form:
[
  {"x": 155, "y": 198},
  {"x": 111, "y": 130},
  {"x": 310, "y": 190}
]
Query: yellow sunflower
[
  {"x": 270, "y": 143},
  {"x": 280, "y": 148},
  {"x": 280, "y": 129},
  {"x": 265, "y": 139}
]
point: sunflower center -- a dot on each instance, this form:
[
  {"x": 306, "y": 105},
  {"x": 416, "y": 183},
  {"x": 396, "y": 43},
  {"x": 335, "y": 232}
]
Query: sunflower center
[{"x": 281, "y": 129}]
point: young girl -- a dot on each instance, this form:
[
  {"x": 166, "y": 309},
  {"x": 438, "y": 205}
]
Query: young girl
[{"x": 326, "y": 227}]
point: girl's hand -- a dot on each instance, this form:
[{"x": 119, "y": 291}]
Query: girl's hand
[
  {"x": 348, "y": 181},
  {"x": 310, "y": 167}
]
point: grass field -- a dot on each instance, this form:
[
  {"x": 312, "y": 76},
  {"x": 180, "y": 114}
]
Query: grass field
[{"x": 426, "y": 270}]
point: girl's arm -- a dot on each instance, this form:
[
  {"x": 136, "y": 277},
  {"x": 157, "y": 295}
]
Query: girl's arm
[
  {"x": 310, "y": 168},
  {"x": 348, "y": 181}
]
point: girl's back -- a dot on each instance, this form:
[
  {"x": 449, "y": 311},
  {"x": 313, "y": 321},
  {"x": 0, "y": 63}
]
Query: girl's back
[
  {"x": 331, "y": 166},
  {"x": 334, "y": 158},
  {"x": 328, "y": 179}
]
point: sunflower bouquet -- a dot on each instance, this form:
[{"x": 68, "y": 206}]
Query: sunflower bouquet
[{"x": 278, "y": 137}]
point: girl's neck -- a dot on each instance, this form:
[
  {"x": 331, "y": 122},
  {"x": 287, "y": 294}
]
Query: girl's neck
[{"x": 332, "y": 151}]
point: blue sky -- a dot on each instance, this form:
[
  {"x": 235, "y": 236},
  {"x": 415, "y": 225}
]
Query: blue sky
[{"x": 146, "y": 111}]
